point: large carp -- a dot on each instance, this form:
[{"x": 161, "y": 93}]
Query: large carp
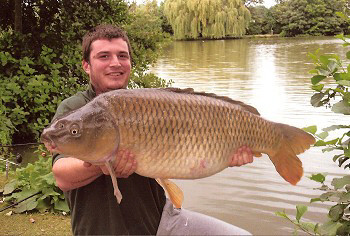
[{"x": 174, "y": 134}]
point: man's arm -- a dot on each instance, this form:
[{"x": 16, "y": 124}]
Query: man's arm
[{"x": 71, "y": 173}]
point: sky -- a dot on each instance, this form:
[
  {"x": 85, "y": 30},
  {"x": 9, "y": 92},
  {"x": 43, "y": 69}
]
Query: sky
[{"x": 267, "y": 3}]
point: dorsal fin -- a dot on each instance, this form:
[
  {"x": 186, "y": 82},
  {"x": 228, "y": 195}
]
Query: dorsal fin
[{"x": 224, "y": 98}]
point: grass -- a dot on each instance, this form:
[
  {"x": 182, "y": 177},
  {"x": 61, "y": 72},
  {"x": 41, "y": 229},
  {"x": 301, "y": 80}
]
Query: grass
[{"x": 31, "y": 223}]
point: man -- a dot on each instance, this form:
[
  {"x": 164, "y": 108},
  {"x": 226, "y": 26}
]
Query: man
[{"x": 88, "y": 188}]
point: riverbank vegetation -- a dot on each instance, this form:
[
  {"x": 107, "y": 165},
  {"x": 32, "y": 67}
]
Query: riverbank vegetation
[
  {"x": 33, "y": 223},
  {"x": 300, "y": 17},
  {"x": 334, "y": 95},
  {"x": 40, "y": 65}
]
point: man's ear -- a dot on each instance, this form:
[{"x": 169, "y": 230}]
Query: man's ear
[{"x": 86, "y": 66}]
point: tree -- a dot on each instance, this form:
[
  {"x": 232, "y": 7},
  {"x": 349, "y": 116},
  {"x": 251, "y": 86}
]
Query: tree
[
  {"x": 313, "y": 17},
  {"x": 145, "y": 30},
  {"x": 41, "y": 65},
  {"x": 260, "y": 23},
  {"x": 191, "y": 19},
  {"x": 249, "y": 3}
]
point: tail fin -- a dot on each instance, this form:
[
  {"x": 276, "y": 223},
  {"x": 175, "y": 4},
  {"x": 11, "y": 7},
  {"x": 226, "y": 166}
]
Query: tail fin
[{"x": 294, "y": 142}]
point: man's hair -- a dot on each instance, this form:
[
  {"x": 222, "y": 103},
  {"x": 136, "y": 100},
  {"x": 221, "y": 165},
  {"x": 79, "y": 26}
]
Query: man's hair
[{"x": 104, "y": 31}]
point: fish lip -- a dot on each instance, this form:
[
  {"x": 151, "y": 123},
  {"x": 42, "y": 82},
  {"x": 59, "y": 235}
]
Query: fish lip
[{"x": 49, "y": 144}]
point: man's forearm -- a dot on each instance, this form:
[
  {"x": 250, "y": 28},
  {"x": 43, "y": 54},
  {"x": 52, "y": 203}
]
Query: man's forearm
[{"x": 71, "y": 173}]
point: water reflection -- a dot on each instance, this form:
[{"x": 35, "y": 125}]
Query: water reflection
[{"x": 272, "y": 75}]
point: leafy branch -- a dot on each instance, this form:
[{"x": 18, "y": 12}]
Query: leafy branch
[{"x": 331, "y": 82}]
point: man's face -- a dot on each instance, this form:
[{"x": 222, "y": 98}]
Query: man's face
[{"x": 110, "y": 66}]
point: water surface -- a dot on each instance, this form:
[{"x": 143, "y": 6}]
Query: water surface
[{"x": 272, "y": 75}]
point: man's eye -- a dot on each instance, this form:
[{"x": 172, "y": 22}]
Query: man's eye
[{"x": 124, "y": 56}]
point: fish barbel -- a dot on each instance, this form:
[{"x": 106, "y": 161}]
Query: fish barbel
[{"x": 174, "y": 134}]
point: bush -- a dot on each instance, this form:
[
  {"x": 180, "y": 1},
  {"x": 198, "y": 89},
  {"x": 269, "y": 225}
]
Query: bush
[
  {"x": 35, "y": 182},
  {"x": 41, "y": 66},
  {"x": 338, "y": 194}
]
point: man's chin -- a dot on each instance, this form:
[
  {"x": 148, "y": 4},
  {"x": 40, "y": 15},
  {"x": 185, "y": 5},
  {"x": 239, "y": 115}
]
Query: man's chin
[{"x": 117, "y": 86}]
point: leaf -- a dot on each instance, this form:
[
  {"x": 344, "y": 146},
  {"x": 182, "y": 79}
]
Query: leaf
[
  {"x": 323, "y": 135},
  {"x": 27, "y": 205},
  {"x": 10, "y": 187},
  {"x": 335, "y": 127},
  {"x": 301, "y": 209},
  {"x": 336, "y": 212},
  {"x": 318, "y": 87},
  {"x": 308, "y": 226},
  {"x": 317, "y": 78},
  {"x": 324, "y": 59},
  {"x": 330, "y": 227},
  {"x": 320, "y": 143},
  {"x": 43, "y": 205},
  {"x": 281, "y": 214},
  {"x": 315, "y": 200},
  {"x": 320, "y": 178},
  {"x": 61, "y": 206},
  {"x": 339, "y": 183},
  {"x": 332, "y": 66},
  {"x": 311, "y": 129},
  {"x": 341, "y": 107},
  {"x": 326, "y": 196},
  {"x": 345, "y": 198},
  {"x": 344, "y": 17},
  {"x": 316, "y": 99},
  {"x": 344, "y": 82},
  {"x": 313, "y": 71}
]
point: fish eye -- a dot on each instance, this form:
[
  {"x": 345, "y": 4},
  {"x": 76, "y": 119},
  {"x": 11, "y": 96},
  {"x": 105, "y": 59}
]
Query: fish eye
[
  {"x": 74, "y": 130},
  {"x": 61, "y": 125}
]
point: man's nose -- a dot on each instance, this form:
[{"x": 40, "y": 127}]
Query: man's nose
[{"x": 115, "y": 61}]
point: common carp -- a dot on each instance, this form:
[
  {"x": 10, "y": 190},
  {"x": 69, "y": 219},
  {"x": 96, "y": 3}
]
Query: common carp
[{"x": 174, "y": 134}]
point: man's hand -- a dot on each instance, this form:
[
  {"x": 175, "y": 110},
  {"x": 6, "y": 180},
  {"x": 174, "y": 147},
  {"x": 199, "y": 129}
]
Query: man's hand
[
  {"x": 242, "y": 156},
  {"x": 124, "y": 165}
]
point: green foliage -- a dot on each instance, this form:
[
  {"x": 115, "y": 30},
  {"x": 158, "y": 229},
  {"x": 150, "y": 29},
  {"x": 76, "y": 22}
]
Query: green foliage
[
  {"x": 311, "y": 17},
  {"x": 339, "y": 217},
  {"x": 335, "y": 95},
  {"x": 249, "y": 3},
  {"x": 261, "y": 22},
  {"x": 147, "y": 38},
  {"x": 30, "y": 90},
  {"x": 41, "y": 66},
  {"x": 191, "y": 19},
  {"x": 32, "y": 179}
]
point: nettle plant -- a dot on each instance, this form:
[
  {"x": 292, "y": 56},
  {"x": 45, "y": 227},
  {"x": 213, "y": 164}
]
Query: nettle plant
[{"x": 331, "y": 83}]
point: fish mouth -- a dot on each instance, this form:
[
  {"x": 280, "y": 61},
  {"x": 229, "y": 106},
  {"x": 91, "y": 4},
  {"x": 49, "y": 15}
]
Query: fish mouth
[{"x": 49, "y": 144}]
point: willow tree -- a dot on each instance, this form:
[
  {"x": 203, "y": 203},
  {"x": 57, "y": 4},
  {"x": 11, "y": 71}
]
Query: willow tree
[{"x": 191, "y": 19}]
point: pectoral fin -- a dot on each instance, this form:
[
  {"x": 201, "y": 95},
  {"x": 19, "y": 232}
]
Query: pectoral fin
[
  {"x": 117, "y": 193},
  {"x": 174, "y": 192},
  {"x": 257, "y": 154}
]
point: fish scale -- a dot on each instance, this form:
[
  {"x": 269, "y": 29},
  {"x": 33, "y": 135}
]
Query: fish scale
[
  {"x": 180, "y": 138},
  {"x": 176, "y": 133}
]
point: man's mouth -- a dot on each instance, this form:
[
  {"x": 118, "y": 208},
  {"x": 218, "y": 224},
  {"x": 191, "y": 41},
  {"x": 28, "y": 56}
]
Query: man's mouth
[{"x": 115, "y": 73}]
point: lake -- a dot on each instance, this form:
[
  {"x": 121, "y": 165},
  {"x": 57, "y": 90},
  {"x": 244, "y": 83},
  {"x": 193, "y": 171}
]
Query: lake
[{"x": 272, "y": 75}]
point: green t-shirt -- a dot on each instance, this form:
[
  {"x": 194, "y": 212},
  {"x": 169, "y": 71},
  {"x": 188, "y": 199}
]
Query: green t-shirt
[{"x": 94, "y": 208}]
